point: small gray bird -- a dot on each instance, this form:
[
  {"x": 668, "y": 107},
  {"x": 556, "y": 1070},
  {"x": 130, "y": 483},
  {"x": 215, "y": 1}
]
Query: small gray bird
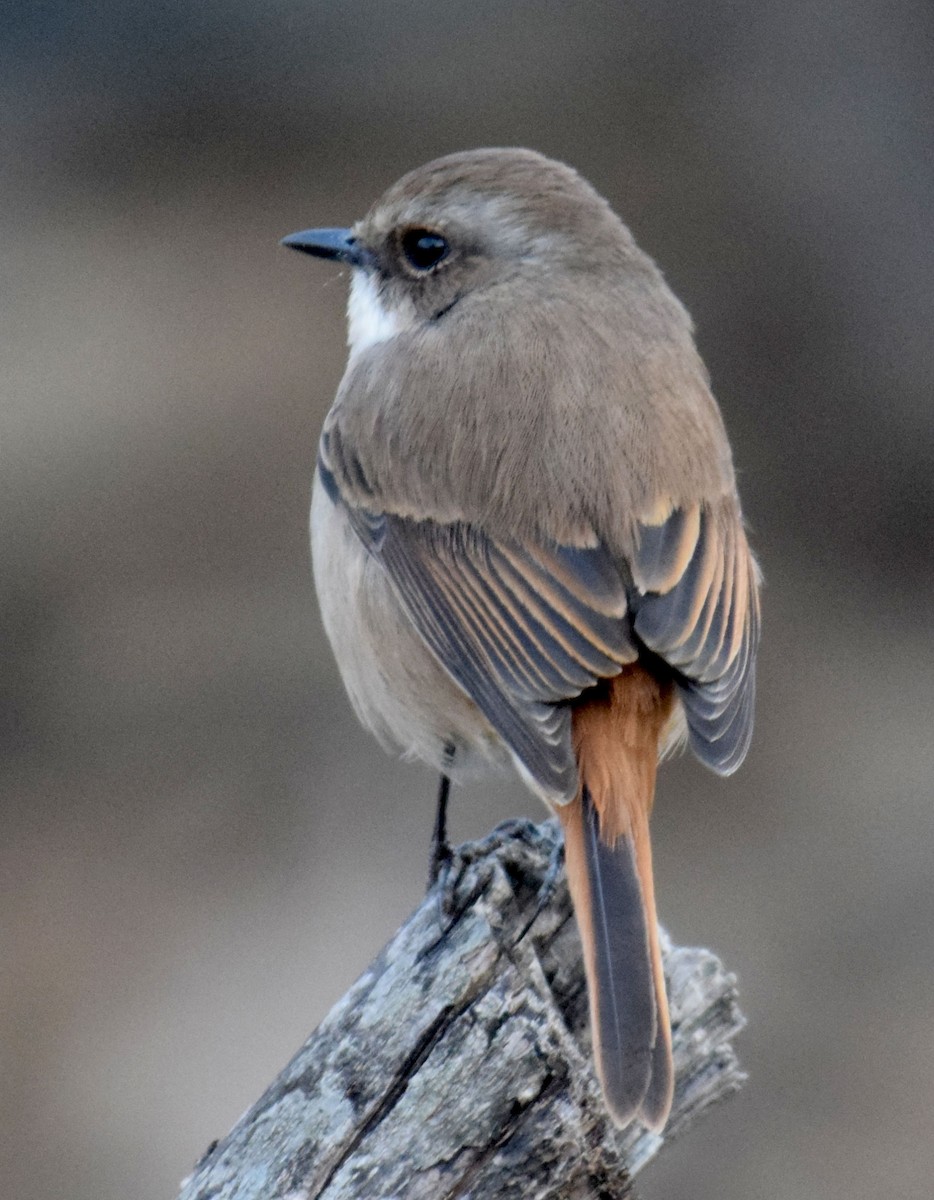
[{"x": 527, "y": 540}]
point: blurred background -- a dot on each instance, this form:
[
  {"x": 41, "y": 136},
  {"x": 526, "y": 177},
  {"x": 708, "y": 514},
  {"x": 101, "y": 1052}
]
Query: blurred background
[{"x": 200, "y": 848}]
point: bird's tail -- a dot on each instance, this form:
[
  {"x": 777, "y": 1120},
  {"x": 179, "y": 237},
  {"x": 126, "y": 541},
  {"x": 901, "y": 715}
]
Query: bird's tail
[{"x": 617, "y": 730}]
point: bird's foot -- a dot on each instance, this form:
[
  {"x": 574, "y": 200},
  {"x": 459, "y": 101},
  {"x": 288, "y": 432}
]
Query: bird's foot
[{"x": 547, "y": 888}]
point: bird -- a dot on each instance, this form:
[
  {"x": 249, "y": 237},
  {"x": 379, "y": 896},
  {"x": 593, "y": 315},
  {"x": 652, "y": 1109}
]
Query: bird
[{"x": 527, "y": 541}]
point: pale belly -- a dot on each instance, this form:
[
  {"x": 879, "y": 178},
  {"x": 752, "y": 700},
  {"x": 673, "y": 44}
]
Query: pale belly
[{"x": 396, "y": 685}]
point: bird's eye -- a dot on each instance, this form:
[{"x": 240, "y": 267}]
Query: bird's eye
[{"x": 423, "y": 249}]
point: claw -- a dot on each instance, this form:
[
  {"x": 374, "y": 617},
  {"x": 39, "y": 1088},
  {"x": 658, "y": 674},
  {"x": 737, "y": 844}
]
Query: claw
[
  {"x": 450, "y": 875},
  {"x": 547, "y": 888}
]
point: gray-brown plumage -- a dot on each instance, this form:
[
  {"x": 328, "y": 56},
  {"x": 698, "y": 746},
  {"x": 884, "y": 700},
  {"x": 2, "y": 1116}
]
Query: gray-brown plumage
[{"x": 527, "y": 539}]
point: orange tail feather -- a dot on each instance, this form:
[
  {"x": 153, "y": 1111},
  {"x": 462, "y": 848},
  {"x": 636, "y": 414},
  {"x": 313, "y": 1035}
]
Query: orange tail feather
[{"x": 617, "y": 730}]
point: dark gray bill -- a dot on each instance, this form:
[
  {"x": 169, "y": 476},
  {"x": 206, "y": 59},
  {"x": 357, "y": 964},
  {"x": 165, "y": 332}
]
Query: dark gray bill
[{"x": 338, "y": 244}]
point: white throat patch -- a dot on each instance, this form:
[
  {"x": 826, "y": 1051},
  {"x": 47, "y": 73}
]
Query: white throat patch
[{"x": 368, "y": 322}]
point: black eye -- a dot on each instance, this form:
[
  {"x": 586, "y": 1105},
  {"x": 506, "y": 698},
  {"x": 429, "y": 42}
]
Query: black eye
[{"x": 423, "y": 248}]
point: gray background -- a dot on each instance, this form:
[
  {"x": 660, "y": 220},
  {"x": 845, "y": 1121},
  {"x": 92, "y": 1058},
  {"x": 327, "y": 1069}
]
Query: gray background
[{"x": 200, "y": 848}]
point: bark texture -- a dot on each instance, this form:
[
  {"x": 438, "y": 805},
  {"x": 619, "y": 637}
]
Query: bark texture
[{"x": 458, "y": 1065}]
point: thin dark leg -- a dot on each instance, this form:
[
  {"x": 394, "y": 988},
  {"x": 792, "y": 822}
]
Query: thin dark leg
[{"x": 440, "y": 847}]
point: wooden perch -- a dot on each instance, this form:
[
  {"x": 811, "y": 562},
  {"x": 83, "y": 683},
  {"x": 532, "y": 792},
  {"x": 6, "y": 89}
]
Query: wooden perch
[{"x": 458, "y": 1065}]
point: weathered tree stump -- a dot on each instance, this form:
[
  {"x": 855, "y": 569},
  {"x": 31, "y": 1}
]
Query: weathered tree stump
[{"x": 458, "y": 1065}]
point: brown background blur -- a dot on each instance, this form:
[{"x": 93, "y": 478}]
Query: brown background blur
[{"x": 200, "y": 848}]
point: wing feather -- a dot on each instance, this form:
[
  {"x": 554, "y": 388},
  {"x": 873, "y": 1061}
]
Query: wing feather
[
  {"x": 705, "y": 625},
  {"x": 524, "y": 629}
]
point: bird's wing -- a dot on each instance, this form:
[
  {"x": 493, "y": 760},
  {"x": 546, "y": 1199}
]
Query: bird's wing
[
  {"x": 695, "y": 604},
  {"x": 522, "y": 629}
]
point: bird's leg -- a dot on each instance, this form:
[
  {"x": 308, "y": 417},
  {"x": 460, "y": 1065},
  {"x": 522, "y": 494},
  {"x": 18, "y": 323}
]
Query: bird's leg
[
  {"x": 548, "y": 886},
  {"x": 441, "y": 855}
]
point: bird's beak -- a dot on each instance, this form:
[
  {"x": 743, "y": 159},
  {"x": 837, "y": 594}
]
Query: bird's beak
[{"x": 338, "y": 244}]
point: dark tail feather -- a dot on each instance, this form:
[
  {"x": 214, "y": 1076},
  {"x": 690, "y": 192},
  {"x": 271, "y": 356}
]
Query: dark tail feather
[
  {"x": 656, "y": 1104},
  {"x": 622, "y": 990},
  {"x": 628, "y": 1009}
]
